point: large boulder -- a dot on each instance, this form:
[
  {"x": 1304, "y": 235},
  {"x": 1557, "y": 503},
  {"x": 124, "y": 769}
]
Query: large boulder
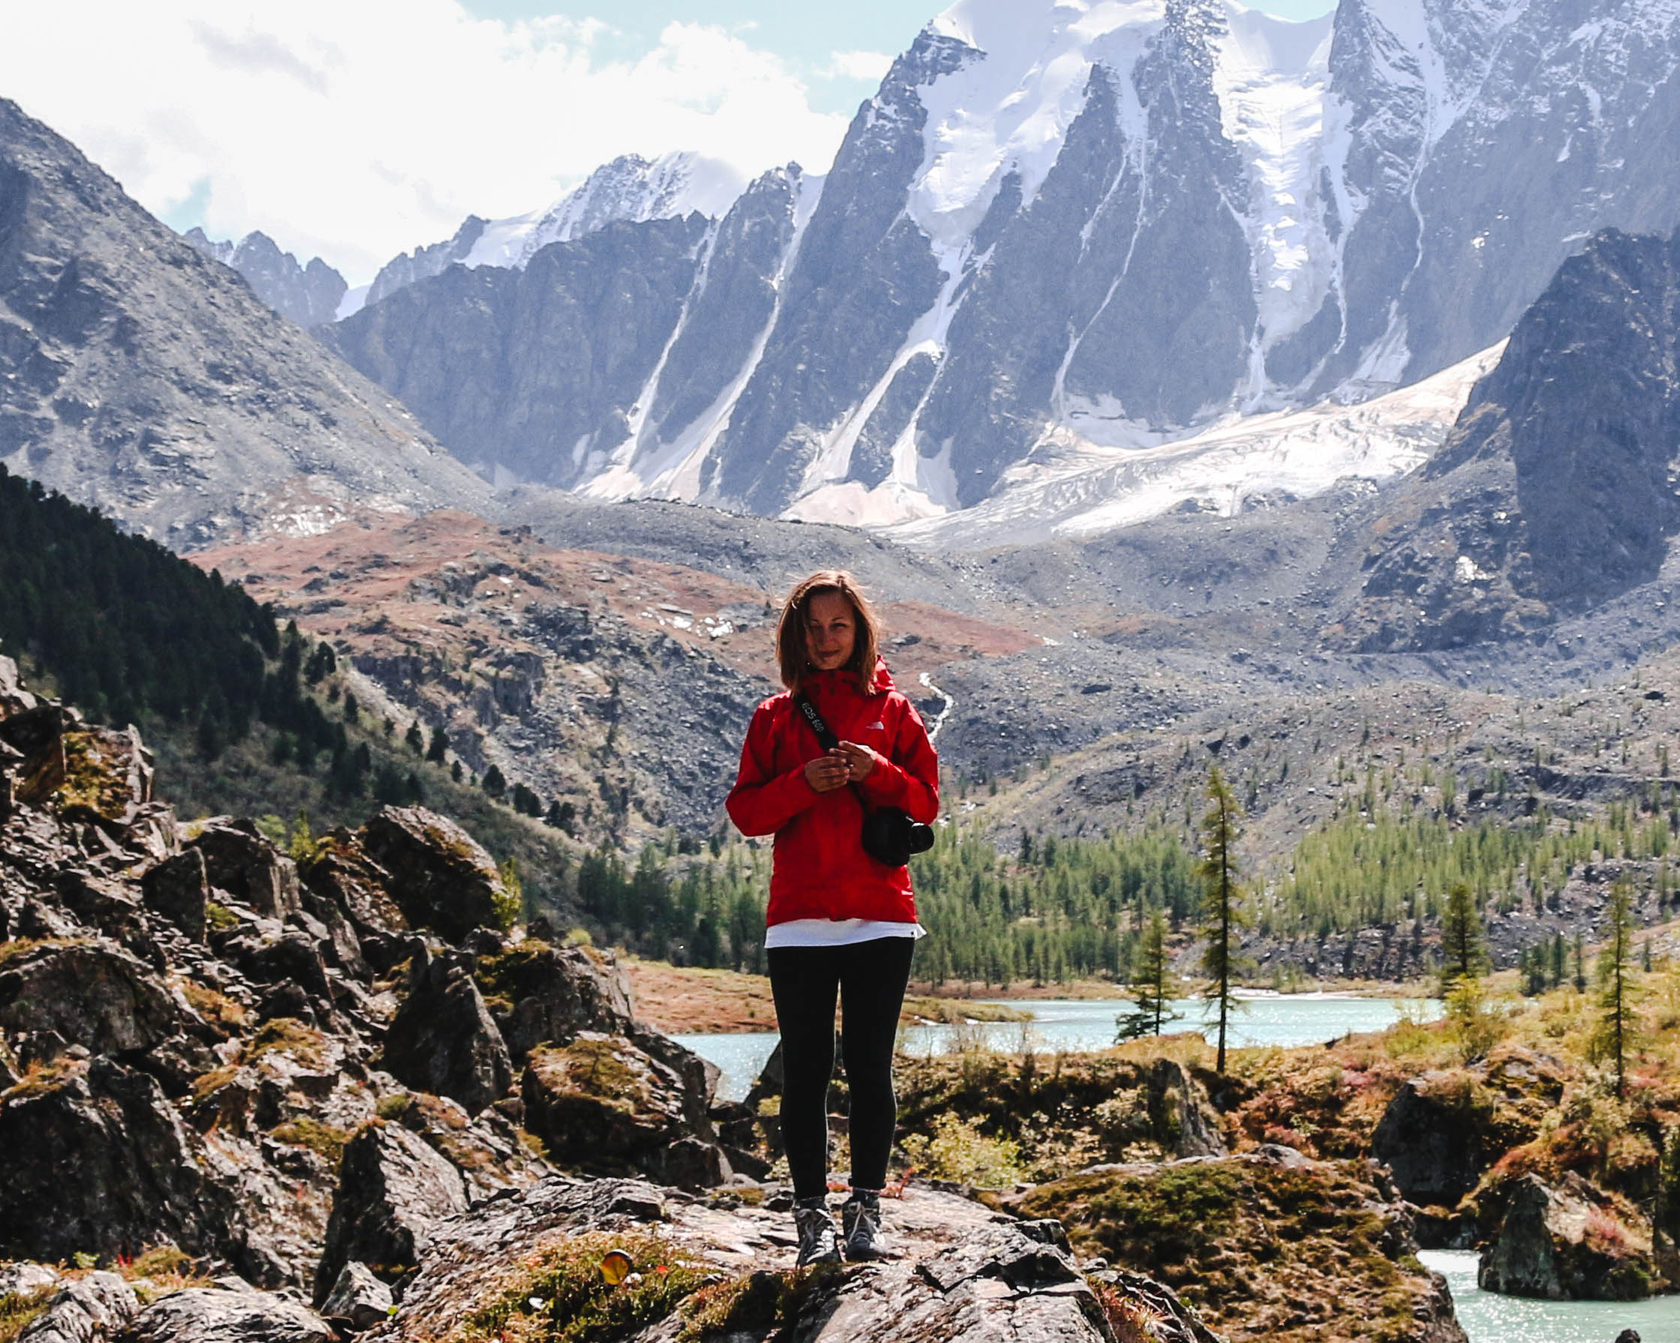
[
  {"x": 1566, "y": 1241},
  {"x": 960, "y": 1271},
  {"x": 341, "y": 871},
  {"x": 83, "y": 1310},
  {"x": 1179, "y": 1113},
  {"x": 239, "y": 859},
  {"x": 441, "y": 878},
  {"x": 1430, "y": 1138},
  {"x": 218, "y": 1315},
  {"x": 179, "y": 890},
  {"x": 98, "y": 1161},
  {"x": 543, "y": 994},
  {"x": 392, "y": 1189},
  {"x": 443, "y": 1039},
  {"x": 604, "y": 1103},
  {"x": 91, "y": 994},
  {"x": 36, "y": 737},
  {"x": 358, "y": 1297}
]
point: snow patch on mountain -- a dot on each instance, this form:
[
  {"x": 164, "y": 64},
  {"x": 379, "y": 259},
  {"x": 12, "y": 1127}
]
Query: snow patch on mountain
[
  {"x": 1072, "y": 487},
  {"x": 673, "y": 472},
  {"x": 1010, "y": 110},
  {"x": 1272, "y": 78}
]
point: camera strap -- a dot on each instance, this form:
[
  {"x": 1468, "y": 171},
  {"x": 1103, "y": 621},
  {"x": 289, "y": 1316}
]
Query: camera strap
[
  {"x": 828, "y": 741},
  {"x": 825, "y": 736}
]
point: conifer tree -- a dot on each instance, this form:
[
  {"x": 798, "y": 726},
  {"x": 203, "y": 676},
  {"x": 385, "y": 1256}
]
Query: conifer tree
[
  {"x": 1223, "y": 915},
  {"x": 1616, "y": 1018},
  {"x": 1463, "y": 952},
  {"x": 1153, "y": 983}
]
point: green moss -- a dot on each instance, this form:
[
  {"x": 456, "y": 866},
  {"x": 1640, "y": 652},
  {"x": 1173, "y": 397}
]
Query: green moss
[
  {"x": 500, "y": 975},
  {"x": 287, "y": 1035},
  {"x": 220, "y": 917},
  {"x": 559, "y": 1295},
  {"x": 755, "y": 1303},
  {"x": 592, "y": 1067},
  {"x": 213, "y": 1005},
  {"x": 394, "y": 1107},
  {"x": 325, "y": 1140},
  {"x": 18, "y": 1310},
  {"x": 22, "y": 946}
]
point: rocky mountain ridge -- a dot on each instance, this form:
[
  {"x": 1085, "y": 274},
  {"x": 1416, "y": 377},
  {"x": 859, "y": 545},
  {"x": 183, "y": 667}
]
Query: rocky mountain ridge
[
  {"x": 1110, "y": 233},
  {"x": 309, "y": 295},
  {"x": 147, "y": 380}
]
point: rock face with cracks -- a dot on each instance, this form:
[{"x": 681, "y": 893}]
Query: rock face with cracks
[
  {"x": 959, "y": 1271},
  {"x": 1564, "y": 1241}
]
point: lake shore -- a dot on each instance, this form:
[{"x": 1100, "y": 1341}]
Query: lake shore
[{"x": 689, "y": 1000}]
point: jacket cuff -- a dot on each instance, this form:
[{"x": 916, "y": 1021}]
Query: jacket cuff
[{"x": 888, "y": 784}]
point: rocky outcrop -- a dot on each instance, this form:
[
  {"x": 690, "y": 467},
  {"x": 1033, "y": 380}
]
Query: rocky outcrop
[
  {"x": 140, "y": 1173},
  {"x": 209, "y": 1315},
  {"x": 1566, "y": 1241},
  {"x": 308, "y": 294},
  {"x": 959, "y": 1271},
  {"x": 440, "y": 876},
  {"x": 89, "y": 994},
  {"x": 540, "y": 993},
  {"x": 358, "y": 1298},
  {"x": 240, "y": 861},
  {"x": 442, "y": 1039},
  {"x": 1430, "y": 1138},
  {"x": 1552, "y": 494},
  {"x": 1312, "y": 1243},
  {"x": 83, "y": 1310},
  {"x": 392, "y": 1189},
  {"x": 603, "y": 1102},
  {"x": 179, "y": 889}
]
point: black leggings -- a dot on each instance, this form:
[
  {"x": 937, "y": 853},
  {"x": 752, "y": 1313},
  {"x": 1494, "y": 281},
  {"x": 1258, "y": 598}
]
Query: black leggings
[{"x": 870, "y": 978}]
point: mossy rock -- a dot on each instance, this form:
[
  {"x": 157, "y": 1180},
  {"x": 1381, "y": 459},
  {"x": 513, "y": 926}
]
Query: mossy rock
[
  {"x": 1268, "y": 1245},
  {"x": 601, "y": 1102}
]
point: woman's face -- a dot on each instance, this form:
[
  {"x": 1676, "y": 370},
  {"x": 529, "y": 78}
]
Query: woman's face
[{"x": 830, "y": 630}]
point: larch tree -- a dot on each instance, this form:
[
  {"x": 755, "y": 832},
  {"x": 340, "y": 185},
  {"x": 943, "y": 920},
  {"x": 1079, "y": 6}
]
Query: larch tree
[
  {"x": 1153, "y": 984},
  {"x": 1223, "y": 914},
  {"x": 1463, "y": 950},
  {"x": 1617, "y": 1020}
]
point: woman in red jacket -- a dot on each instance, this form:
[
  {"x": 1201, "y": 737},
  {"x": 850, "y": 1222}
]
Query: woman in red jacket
[{"x": 839, "y": 921}]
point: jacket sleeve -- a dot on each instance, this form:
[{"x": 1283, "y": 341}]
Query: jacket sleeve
[
  {"x": 762, "y": 802},
  {"x": 910, "y": 777}
]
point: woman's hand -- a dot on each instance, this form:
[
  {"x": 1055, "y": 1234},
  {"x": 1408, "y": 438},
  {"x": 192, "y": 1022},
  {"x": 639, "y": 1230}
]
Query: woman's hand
[
  {"x": 827, "y": 772},
  {"x": 860, "y": 760}
]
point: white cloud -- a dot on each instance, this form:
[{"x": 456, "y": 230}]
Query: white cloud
[
  {"x": 867, "y": 65},
  {"x": 355, "y": 130}
]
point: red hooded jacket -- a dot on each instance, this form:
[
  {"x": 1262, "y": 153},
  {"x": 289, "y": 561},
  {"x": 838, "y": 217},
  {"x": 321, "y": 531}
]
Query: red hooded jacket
[{"x": 819, "y": 869}]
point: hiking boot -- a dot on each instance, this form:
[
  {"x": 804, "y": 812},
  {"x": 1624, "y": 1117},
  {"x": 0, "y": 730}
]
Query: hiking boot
[
  {"x": 818, "y": 1243},
  {"x": 860, "y": 1216}
]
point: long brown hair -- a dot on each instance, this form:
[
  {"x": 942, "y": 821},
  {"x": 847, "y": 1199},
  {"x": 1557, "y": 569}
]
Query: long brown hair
[{"x": 792, "y": 651}]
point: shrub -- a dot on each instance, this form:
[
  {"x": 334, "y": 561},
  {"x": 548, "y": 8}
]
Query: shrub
[{"x": 957, "y": 1150}]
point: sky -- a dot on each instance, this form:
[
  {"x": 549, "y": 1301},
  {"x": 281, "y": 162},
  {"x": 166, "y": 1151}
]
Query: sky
[{"x": 358, "y": 129}]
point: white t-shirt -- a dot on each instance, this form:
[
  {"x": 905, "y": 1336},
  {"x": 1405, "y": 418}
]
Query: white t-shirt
[{"x": 835, "y": 932}]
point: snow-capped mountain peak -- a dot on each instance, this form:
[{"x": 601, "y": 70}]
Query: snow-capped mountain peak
[{"x": 630, "y": 188}]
